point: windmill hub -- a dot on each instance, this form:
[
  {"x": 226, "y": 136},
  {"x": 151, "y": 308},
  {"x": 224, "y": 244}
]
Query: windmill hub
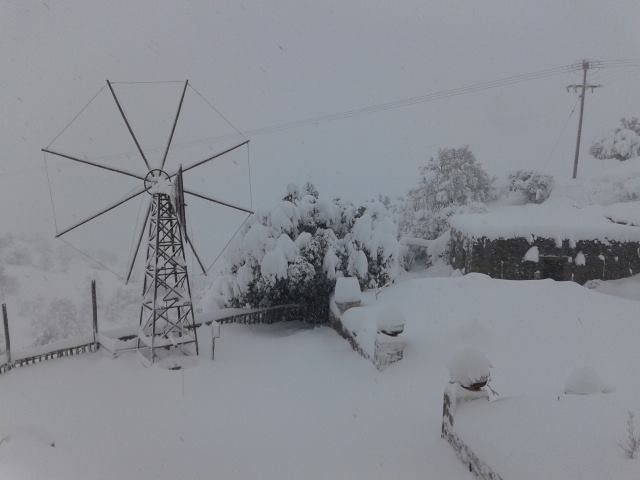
[{"x": 158, "y": 181}]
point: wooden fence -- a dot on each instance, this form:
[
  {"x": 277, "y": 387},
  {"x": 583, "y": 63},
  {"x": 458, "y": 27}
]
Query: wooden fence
[
  {"x": 58, "y": 350},
  {"x": 314, "y": 314}
]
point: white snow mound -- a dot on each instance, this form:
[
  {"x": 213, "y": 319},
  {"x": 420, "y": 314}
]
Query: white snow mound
[
  {"x": 468, "y": 367},
  {"x": 347, "y": 290},
  {"x": 390, "y": 318},
  {"x": 584, "y": 381}
]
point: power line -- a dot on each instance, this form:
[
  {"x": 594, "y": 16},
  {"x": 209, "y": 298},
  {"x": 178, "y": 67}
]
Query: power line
[
  {"x": 405, "y": 102},
  {"x": 395, "y": 104},
  {"x": 561, "y": 133}
]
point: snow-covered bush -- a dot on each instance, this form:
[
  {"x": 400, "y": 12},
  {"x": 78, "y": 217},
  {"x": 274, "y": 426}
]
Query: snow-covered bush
[
  {"x": 294, "y": 252},
  {"x": 621, "y": 144},
  {"x": 347, "y": 290},
  {"x": 631, "y": 444},
  {"x": 535, "y": 186},
  {"x": 18, "y": 255},
  {"x": 453, "y": 182},
  {"x": 372, "y": 246},
  {"x": 8, "y": 283},
  {"x": 55, "y": 320}
]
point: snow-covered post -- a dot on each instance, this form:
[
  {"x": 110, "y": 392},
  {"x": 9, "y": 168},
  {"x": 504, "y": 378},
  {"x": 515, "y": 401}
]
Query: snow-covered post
[
  {"x": 7, "y": 341},
  {"x": 469, "y": 373},
  {"x": 389, "y": 344},
  {"x": 215, "y": 333},
  {"x": 94, "y": 306}
]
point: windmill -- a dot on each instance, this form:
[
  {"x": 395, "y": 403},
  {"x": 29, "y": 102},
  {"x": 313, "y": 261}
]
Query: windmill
[{"x": 167, "y": 318}]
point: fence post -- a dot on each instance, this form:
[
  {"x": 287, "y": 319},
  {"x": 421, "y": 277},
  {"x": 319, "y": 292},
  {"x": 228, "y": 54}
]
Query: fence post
[
  {"x": 94, "y": 305},
  {"x": 7, "y": 341}
]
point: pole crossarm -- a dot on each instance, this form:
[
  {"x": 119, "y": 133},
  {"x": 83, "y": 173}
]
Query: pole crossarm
[
  {"x": 575, "y": 87},
  {"x": 139, "y": 191},
  {"x": 175, "y": 122},
  {"x": 201, "y": 162},
  {"x": 219, "y": 202},
  {"x": 126, "y": 121},
  {"x": 93, "y": 164}
]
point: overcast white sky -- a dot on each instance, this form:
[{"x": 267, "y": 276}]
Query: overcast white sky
[{"x": 264, "y": 63}]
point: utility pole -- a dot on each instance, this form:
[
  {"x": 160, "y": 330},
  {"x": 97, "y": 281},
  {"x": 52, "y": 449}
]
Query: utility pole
[{"x": 583, "y": 90}]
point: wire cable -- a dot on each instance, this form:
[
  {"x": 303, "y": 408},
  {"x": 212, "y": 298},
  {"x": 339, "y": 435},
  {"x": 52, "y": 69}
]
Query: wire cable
[
  {"x": 249, "y": 169},
  {"x": 562, "y": 130},
  {"x": 76, "y": 116},
  {"x": 53, "y": 205},
  {"x": 217, "y": 111},
  {"x": 224, "y": 249}
]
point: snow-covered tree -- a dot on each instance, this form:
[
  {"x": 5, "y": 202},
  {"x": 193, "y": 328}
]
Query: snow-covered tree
[
  {"x": 294, "y": 252},
  {"x": 447, "y": 183},
  {"x": 374, "y": 255},
  {"x": 535, "y": 186},
  {"x": 621, "y": 144}
]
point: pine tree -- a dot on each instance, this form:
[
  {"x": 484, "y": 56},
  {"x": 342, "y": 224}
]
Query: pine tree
[{"x": 448, "y": 182}]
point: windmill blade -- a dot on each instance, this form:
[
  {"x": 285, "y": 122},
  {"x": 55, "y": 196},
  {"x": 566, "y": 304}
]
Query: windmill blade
[
  {"x": 175, "y": 122},
  {"x": 87, "y": 162},
  {"x": 219, "y": 202},
  {"x": 181, "y": 214},
  {"x": 126, "y": 121},
  {"x": 179, "y": 200},
  {"x": 135, "y": 254},
  {"x": 201, "y": 162},
  {"x": 139, "y": 191}
]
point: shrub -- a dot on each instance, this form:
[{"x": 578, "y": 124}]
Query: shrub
[
  {"x": 621, "y": 144},
  {"x": 535, "y": 186}
]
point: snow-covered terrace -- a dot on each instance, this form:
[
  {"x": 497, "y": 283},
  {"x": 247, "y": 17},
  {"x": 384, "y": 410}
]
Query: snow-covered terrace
[
  {"x": 550, "y": 436},
  {"x": 285, "y": 401},
  {"x": 554, "y": 221}
]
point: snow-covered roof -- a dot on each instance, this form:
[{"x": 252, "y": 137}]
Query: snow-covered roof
[{"x": 557, "y": 221}]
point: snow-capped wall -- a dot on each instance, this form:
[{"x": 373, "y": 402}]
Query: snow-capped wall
[{"x": 547, "y": 221}]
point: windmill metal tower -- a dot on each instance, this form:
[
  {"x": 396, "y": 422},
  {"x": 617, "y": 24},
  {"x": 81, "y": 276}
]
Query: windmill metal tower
[{"x": 167, "y": 320}]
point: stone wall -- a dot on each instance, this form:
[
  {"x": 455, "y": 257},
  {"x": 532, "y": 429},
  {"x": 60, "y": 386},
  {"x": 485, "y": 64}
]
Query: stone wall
[
  {"x": 454, "y": 395},
  {"x": 504, "y": 258}
]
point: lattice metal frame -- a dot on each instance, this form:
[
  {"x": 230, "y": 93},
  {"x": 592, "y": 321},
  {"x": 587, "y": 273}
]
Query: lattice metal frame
[{"x": 166, "y": 315}]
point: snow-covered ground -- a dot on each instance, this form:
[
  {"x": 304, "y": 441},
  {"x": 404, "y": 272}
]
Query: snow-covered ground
[{"x": 286, "y": 401}]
